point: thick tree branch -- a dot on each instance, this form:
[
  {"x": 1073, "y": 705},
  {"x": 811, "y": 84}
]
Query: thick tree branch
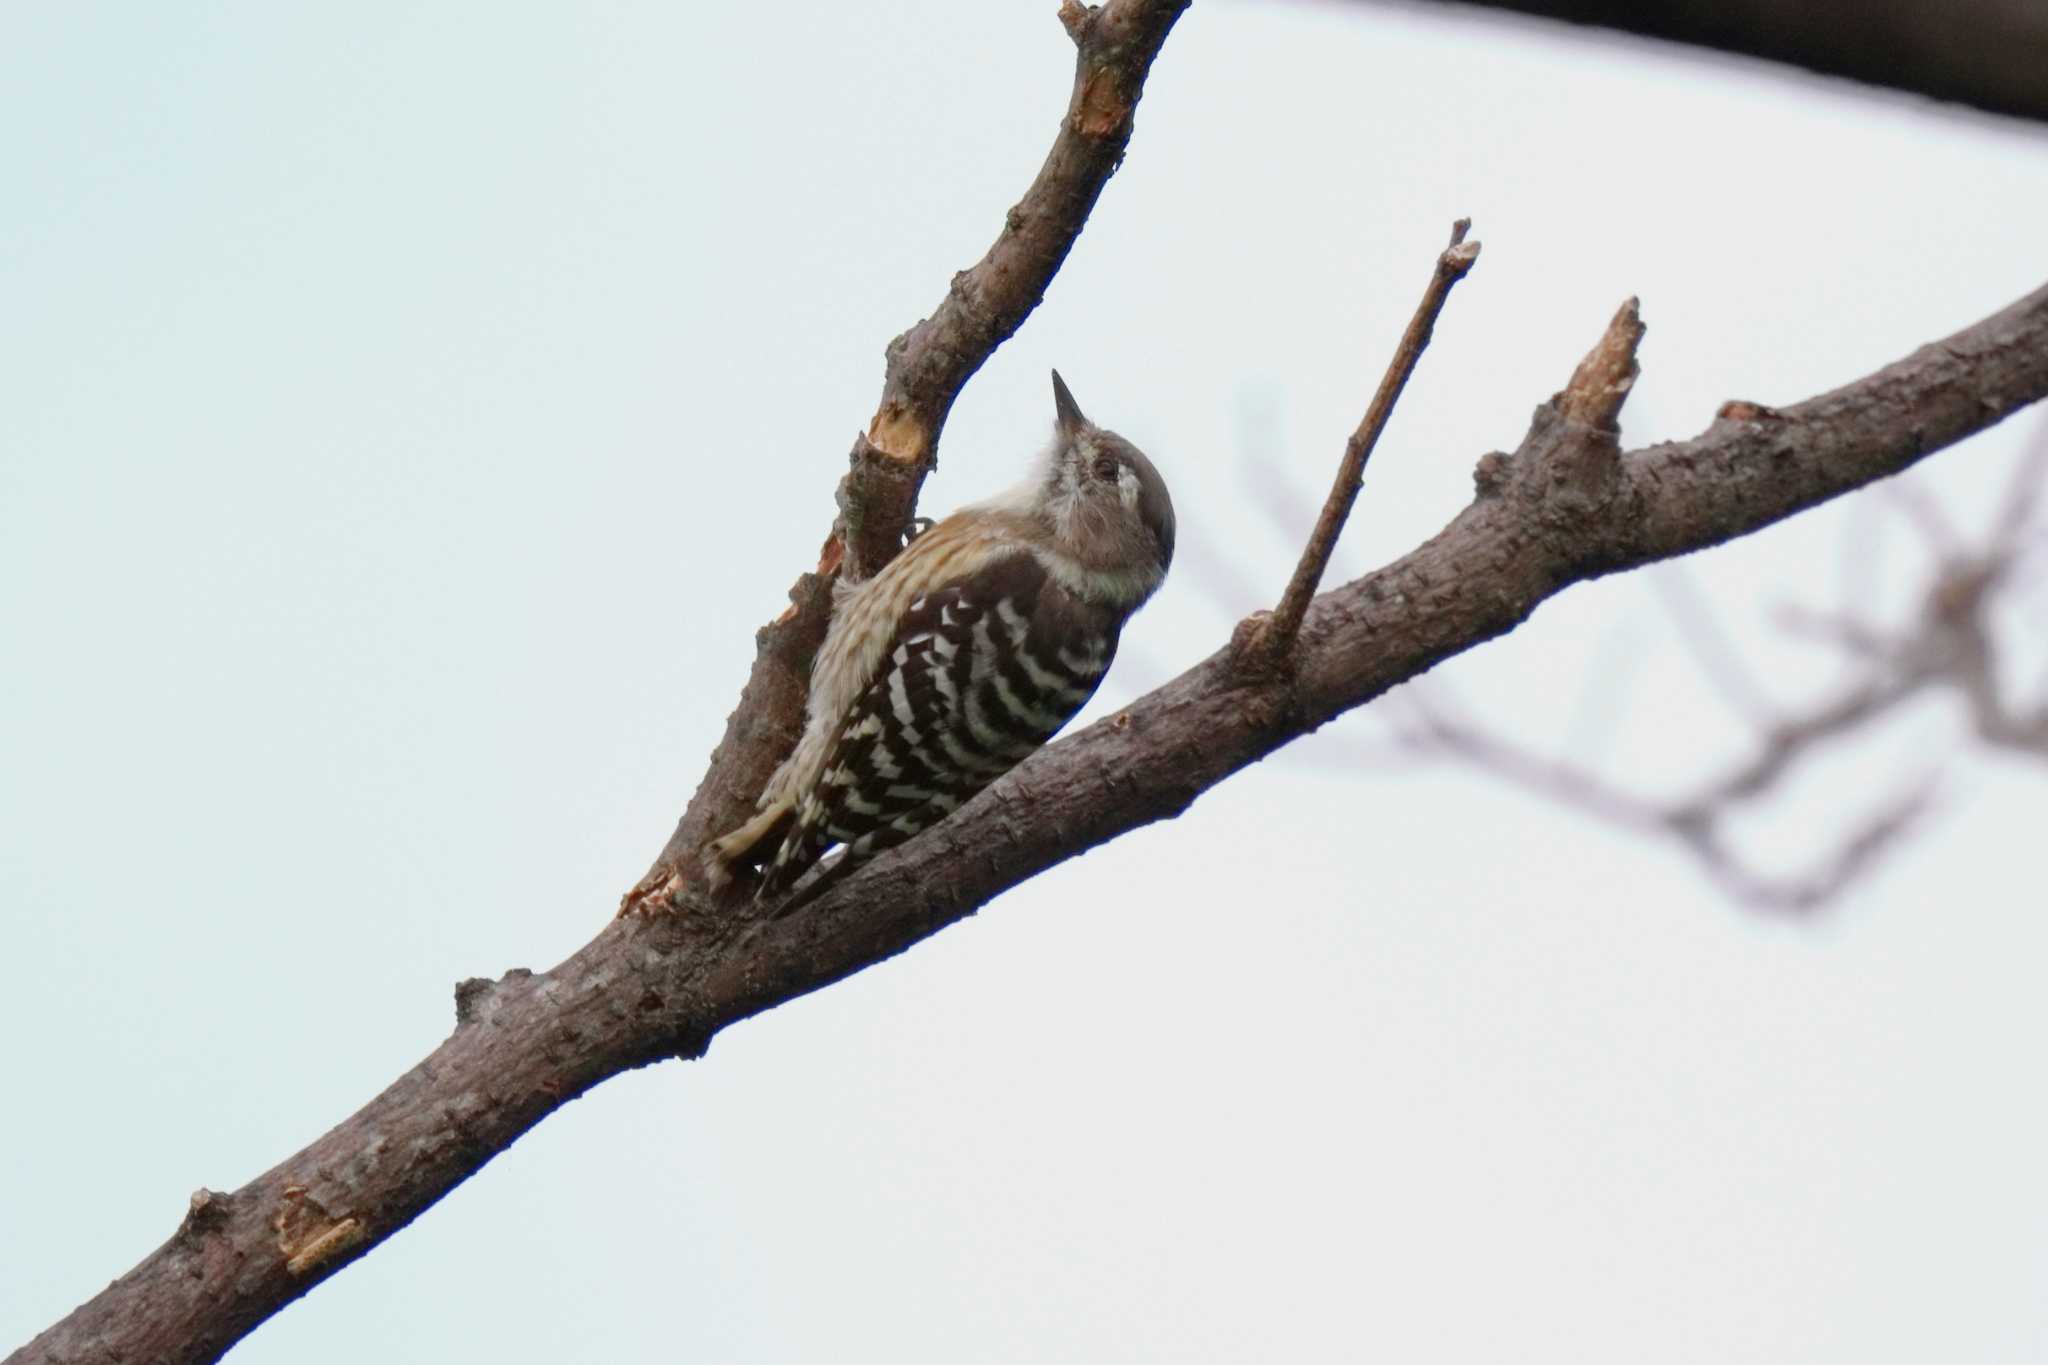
[
  {"x": 927, "y": 366},
  {"x": 1987, "y": 53},
  {"x": 1564, "y": 508}
]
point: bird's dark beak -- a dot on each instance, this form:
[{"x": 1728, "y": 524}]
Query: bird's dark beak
[{"x": 1070, "y": 418}]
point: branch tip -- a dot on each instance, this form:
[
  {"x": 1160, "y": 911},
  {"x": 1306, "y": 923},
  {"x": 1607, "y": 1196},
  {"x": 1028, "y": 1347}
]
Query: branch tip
[
  {"x": 1075, "y": 19},
  {"x": 1603, "y": 379}
]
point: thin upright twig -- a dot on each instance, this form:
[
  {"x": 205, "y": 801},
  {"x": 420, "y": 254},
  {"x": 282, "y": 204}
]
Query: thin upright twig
[{"x": 1453, "y": 264}]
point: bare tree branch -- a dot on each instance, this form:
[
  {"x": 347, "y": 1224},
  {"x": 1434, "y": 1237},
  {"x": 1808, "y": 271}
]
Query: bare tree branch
[
  {"x": 1696, "y": 821},
  {"x": 927, "y": 366},
  {"x": 1565, "y": 507},
  {"x": 1270, "y": 642},
  {"x": 1987, "y": 53},
  {"x": 1949, "y": 644}
]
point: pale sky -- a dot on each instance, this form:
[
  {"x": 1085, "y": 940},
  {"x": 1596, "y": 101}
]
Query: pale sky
[{"x": 412, "y": 410}]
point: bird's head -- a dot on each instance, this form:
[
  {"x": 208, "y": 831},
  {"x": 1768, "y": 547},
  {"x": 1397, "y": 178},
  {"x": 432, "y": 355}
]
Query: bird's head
[{"x": 1104, "y": 505}]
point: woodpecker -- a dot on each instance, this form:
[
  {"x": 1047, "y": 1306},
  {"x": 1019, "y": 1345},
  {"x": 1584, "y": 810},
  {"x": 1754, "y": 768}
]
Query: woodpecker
[{"x": 963, "y": 656}]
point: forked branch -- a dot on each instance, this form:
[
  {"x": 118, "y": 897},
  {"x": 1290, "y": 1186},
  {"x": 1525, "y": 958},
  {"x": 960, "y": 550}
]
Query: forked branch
[
  {"x": 1952, "y": 643},
  {"x": 927, "y": 366}
]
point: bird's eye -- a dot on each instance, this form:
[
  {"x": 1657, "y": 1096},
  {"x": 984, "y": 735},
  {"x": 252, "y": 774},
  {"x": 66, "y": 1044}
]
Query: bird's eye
[{"x": 1105, "y": 468}]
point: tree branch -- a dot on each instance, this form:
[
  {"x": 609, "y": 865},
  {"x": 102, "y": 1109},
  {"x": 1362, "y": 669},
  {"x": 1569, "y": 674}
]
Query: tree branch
[
  {"x": 1697, "y": 822},
  {"x": 1951, "y": 643},
  {"x": 926, "y": 368},
  {"x": 1987, "y": 53},
  {"x": 1563, "y": 508},
  {"x": 1269, "y": 643}
]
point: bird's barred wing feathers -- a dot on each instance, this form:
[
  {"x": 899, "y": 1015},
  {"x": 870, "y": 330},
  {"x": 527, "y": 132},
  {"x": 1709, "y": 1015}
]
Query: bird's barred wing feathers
[{"x": 980, "y": 673}]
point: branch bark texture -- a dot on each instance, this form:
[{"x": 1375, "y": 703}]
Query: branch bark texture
[
  {"x": 1567, "y": 506},
  {"x": 1986, "y": 53}
]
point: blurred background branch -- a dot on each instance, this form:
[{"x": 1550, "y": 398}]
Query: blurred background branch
[{"x": 1970, "y": 616}]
